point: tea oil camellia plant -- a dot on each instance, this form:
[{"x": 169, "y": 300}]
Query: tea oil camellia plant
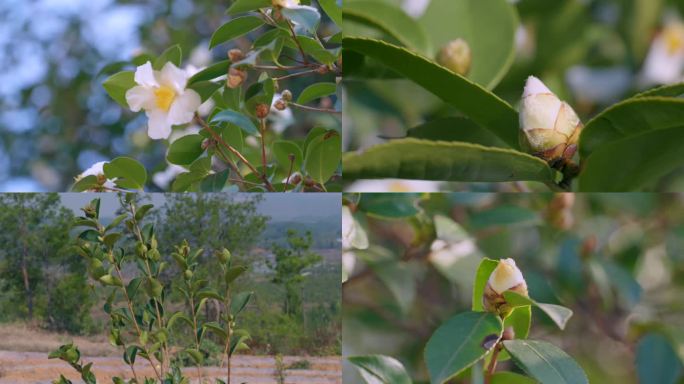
[
  {"x": 459, "y": 51},
  {"x": 143, "y": 325},
  {"x": 470, "y": 343},
  {"x": 232, "y": 101}
]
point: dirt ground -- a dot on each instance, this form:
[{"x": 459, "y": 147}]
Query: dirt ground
[{"x": 34, "y": 367}]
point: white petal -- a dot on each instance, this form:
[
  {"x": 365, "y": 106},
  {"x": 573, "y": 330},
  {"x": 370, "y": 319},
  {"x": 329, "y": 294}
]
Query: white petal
[
  {"x": 539, "y": 111},
  {"x": 534, "y": 86},
  {"x": 158, "y": 127},
  {"x": 144, "y": 75},
  {"x": 505, "y": 276},
  {"x": 173, "y": 77},
  {"x": 184, "y": 106},
  {"x": 140, "y": 97},
  {"x": 94, "y": 170}
]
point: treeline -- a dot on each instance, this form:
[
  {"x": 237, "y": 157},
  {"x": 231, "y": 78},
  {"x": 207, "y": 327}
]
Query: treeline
[{"x": 45, "y": 282}]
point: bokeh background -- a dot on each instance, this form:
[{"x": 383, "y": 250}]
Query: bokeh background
[
  {"x": 614, "y": 259},
  {"x": 56, "y": 119},
  {"x": 592, "y": 53}
]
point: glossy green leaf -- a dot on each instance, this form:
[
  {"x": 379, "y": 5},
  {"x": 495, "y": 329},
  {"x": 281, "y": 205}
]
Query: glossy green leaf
[
  {"x": 504, "y": 215},
  {"x": 172, "y": 54},
  {"x": 129, "y": 173},
  {"x": 389, "y": 19},
  {"x": 239, "y": 302},
  {"x": 205, "y": 89},
  {"x": 215, "y": 182},
  {"x": 511, "y": 378},
  {"x": 657, "y": 361},
  {"x": 390, "y": 205},
  {"x": 456, "y": 129},
  {"x": 234, "y": 272},
  {"x": 234, "y": 29},
  {"x": 488, "y": 26},
  {"x": 545, "y": 362},
  {"x": 282, "y": 150},
  {"x": 117, "y": 85},
  {"x": 480, "y": 105},
  {"x": 185, "y": 150},
  {"x": 211, "y": 72},
  {"x": 670, "y": 90},
  {"x": 520, "y": 319},
  {"x": 459, "y": 343},
  {"x": 316, "y": 91},
  {"x": 635, "y": 116},
  {"x": 485, "y": 269},
  {"x": 437, "y": 160},
  {"x": 238, "y": 119},
  {"x": 305, "y": 16},
  {"x": 632, "y": 163},
  {"x": 558, "y": 313},
  {"x": 378, "y": 369},
  {"x": 85, "y": 183},
  {"x": 240, "y": 6},
  {"x": 196, "y": 355},
  {"x": 323, "y": 156},
  {"x": 332, "y": 10},
  {"x": 313, "y": 48}
]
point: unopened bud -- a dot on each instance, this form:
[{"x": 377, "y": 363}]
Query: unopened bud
[
  {"x": 188, "y": 274},
  {"x": 141, "y": 249},
  {"x": 505, "y": 277},
  {"x": 549, "y": 127},
  {"x": 286, "y": 95},
  {"x": 456, "y": 56},
  {"x": 207, "y": 143},
  {"x": 236, "y": 77},
  {"x": 235, "y": 55},
  {"x": 508, "y": 334},
  {"x": 322, "y": 70},
  {"x": 262, "y": 110},
  {"x": 280, "y": 105},
  {"x": 223, "y": 256},
  {"x": 296, "y": 179}
]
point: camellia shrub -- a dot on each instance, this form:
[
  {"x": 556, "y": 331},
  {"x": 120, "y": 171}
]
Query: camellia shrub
[
  {"x": 142, "y": 323},
  {"x": 232, "y": 104},
  {"x": 458, "y": 51}
]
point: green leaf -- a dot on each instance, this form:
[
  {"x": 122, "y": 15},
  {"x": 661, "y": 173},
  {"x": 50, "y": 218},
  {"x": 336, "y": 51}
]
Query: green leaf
[
  {"x": 205, "y": 89},
  {"x": 153, "y": 287},
  {"x": 444, "y": 161},
  {"x": 634, "y": 162},
  {"x": 485, "y": 269},
  {"x": 488, "y": 26},
  {"x": 388, "y": 19},
  {"x": 172, "y": 54},
  {"x": 456, "y": 129},
  {"x": 111, "y": 239},
  {"x": 381, "y": 369},
  {"x": 307, "y": 17},
  {"x": 316, "y": 91},
  {"x": 215, "y": 328},
  {"x": 558, "y": 313},
  {"x": 323, "y": 156},
  {"x": 211, "y": 72},
  {"x": 85, "y": 183},
  {"x": 117, "y": 85},
  {"x": 185, "y": 150},
  {"x": 480, "y": 105},
  {"x": 390, "y": 205},
  {"x": 545, "y": 362},
  {"x": 240, "y": 6},
  {"x": 179, "y": 316},
  {"x": 670, "y": 90},
  {"x": 459, "y": 343},
  {"x": 130, "y": 353},
  {"x": 129, "y": 173},
  {"x": 504, "y": 215},
  {"x": 239, "y": 302},
  {"x": 283, "y": 149},
  {"x": 215, "y": 182},
  {"x": 234, "y": 272},
  {"x": 629, "y": 118},
  {"x": 511, "y": 378},
  {"x": 313, "y": 48},
  {"x": 656, "y": 360},
  {"x": 238, "y": 119},
  {"x": 520, "y": 319},
  {"x": 234, "y": 29},
  {"x": 142, "y": 211},
  {"x": 313, "y": 134},
  {"x": 332, "y": 10},
  {"x": 195, "y": 355}
]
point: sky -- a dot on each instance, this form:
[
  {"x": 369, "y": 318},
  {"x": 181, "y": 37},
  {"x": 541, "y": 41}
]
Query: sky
[{"x": 279, "y": 206}]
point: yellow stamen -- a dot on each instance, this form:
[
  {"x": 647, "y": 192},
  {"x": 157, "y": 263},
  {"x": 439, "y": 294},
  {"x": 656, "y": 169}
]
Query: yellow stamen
[
  {"x": 674, "y": 38},
  {"x": 164, "y": 97}
]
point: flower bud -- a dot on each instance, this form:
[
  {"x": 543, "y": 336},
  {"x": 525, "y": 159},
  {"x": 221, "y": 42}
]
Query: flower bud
[
  {"x": 280, "y": 105},
  {"x": 456, "y": 56},
  {"x": 235, "y": 55},
  {"x": 549, "y": 127},
  {"x": 223, "y": 256},
  {"x": 262, "y": 110},
  {"x": 286, "y": 95},
  {"x": 188, "y": 274},
  {"x": 505, "y": 277},
  {"x": 236, "y": 77}
]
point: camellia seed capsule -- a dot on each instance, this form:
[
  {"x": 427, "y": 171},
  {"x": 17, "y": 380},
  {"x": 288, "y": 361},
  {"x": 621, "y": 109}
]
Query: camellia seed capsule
[
  {"x": 549, "y": 127},
  {"x": 505, "y": 277},
  {"x": 456, "y": 56}
]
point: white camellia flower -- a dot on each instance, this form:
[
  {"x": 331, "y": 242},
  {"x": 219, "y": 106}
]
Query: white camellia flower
[
  {"x": 97, "y": 170},
  {"x": 505, "y": 277},
  {"x": 549, "y": 127},
  {"x": 163, "y": 96},
  {"x": 664, "y": 62}
]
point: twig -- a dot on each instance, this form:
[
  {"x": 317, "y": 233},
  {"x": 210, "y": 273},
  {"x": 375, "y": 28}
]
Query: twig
[
  {"x": 296, "y": 74},
  {"x": 262, "y": 126},
  {"x": 314, "y": 109},
  {"x": 492, "y": 364}
]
